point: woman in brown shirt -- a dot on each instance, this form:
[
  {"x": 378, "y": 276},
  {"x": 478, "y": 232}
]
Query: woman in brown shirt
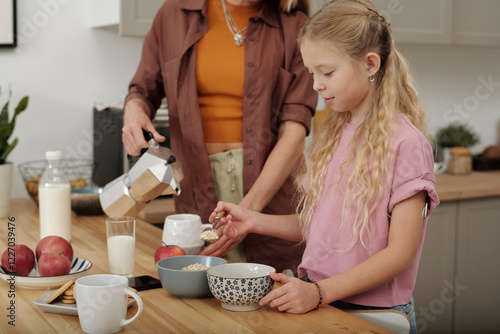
[{"x": 238, "y": 95}]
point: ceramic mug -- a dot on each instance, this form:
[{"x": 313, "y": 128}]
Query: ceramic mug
[
  {"x": 102, "y": 303},
  {"x": 440, "y": 167},
  {"x": 184, "y": 231}
]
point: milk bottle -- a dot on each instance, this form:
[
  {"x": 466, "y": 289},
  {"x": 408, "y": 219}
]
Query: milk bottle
[{"x": 54, "y": 198}]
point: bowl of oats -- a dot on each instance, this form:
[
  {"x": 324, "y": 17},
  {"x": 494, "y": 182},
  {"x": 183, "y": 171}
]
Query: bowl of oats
[{"x": 185, "y": 276}]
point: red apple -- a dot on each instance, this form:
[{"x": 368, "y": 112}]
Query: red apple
[
  {"x": 51, "y": 264},
  {"x": 18, "y": 259},
  {"x": 54, "y": 244},
  {"x": 168, "y": 251}
]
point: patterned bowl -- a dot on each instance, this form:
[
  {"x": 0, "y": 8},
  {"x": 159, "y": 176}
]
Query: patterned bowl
[{"x": 240, "y": 286}]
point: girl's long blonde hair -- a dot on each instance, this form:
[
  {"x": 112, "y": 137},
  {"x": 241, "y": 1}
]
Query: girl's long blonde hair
[
  {"x": 291, "y": 5},
  {"x": 355, "y": 28}
]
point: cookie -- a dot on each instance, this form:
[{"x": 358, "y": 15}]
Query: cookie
[
  {"x": 68, "y": 301},
  {"x": 60, "y": 291},
  {"x": 69, "y": 292}
]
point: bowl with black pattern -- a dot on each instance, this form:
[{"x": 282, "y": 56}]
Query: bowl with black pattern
[{"x": 240, "y": 286}]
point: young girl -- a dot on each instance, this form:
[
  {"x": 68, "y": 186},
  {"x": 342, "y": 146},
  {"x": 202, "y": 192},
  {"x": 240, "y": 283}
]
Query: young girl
[{"x": 369, "y": 185}]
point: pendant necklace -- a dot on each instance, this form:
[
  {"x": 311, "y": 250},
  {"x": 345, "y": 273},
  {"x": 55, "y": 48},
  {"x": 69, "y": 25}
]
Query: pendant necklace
[{"x": 233, "y": 27}]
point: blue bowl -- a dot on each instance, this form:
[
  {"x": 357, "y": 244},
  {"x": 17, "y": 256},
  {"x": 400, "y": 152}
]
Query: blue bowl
[{"x": 186, "y": 283}]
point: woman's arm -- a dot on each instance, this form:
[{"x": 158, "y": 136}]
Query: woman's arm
[
  {"x": 405, "y": 233},
  {"x": 278, "y": 166}
]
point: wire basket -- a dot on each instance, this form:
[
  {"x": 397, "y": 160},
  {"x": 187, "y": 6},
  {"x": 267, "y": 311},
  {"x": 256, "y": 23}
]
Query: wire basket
[{"x": 79, "y": 172}]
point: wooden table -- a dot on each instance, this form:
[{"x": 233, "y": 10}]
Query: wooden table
[{"x": 163, "y": 313}]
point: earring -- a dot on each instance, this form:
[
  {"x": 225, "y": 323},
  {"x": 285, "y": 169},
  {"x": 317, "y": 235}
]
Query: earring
[{"x": 372, "y": 78}]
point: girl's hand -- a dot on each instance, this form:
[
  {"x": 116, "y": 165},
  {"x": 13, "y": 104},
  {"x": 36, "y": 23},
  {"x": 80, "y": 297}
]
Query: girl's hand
[
  {"x": 237, "y": 222},
  {"x": 295, "y": 296}
]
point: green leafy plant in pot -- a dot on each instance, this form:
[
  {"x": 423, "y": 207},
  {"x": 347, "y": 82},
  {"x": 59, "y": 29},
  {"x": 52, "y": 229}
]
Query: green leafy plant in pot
[
  {"x": 455, "y": 139},
  {"x": 456, "y": 135},
  {"x": 6, "y": 130}
]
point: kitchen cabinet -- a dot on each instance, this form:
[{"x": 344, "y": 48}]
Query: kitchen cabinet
[
  {"x": 423, "y": 21},
  {"x": 132, "y": 17},
  {"x": 436, "y": 271},
  {"x": 478, "y": 266},
  {"x": 477, "y": 22},
  {"x": 457, "y": 283},
  {"x": 443, "y": 22}
]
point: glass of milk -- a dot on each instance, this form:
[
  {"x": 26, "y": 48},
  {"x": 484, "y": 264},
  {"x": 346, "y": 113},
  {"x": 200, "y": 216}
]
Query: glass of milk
[{"x": 121, "y": 245}]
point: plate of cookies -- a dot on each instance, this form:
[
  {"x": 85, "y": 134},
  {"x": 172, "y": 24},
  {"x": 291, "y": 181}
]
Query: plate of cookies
[
  {"x": 79, "y": 267},
  {"x": 63, "y": 300}
]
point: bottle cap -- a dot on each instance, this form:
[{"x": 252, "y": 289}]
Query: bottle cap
[{"x": 53, "y": 155}]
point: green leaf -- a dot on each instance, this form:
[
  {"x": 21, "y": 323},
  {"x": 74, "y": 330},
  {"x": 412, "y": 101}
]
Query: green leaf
[
  {"x": 5, "y": 132},
  {"x": 21, "y": 106},
  {"x": 4, "y": 115},
  {"x": 5, "y": 153},
  {"x": 6, "y": 128}
]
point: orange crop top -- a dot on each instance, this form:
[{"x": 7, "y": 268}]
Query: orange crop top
[{"x": 220, "y": 74}]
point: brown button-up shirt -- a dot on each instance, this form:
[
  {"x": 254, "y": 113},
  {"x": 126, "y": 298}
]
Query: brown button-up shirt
[{"x": 277, "y": 88}]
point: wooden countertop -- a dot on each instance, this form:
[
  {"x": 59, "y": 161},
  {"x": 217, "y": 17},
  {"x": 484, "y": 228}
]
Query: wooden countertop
[
  {"x": 474, "y": 185},
  {"x": 162, "y": 311}
]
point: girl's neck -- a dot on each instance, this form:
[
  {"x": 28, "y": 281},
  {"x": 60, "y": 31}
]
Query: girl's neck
[{"x": 356, "y": 118}]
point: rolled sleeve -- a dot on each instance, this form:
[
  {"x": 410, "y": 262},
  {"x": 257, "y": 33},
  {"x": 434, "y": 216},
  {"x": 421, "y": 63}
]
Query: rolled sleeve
[{"x": 411, "y": 188}]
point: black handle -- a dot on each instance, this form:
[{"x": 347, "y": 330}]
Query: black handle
[{"x": 148, "y": 135}]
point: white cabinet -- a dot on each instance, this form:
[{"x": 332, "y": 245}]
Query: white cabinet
[
  {"x": 136, "y": 16},
  {"x": 424, "y": 21},
  {"x": 443, "y": 22},
  {"x": 132, "y": 17},
  {"x": 477, "y": 22}
]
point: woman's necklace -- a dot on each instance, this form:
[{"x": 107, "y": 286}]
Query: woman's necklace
[{"x": 233, "y": 27}]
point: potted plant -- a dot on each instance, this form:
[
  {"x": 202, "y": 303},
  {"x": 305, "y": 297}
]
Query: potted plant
[
  {"x": 455, "y": 139},
  {"x": 6, "y": 129},
  {"x": 456, "y": 135}
]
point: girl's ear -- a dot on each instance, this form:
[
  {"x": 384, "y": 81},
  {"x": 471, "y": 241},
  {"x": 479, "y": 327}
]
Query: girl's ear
[{"x": 372, "y": 62}]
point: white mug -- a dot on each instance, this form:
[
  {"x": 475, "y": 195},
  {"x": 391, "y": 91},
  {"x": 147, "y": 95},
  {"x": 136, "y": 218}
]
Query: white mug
[
  {"x": 440, "y": 167},
  {"x": 184, "y": 231},
  {"x": 101, "y": 301}
]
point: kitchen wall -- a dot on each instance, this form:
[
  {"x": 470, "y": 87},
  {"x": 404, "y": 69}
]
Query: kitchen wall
[{"x": 65, "y": 66}]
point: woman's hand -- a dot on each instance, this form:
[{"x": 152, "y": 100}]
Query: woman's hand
[
  {"x": 136, "y": 118},
  {"x": 295, "y": 296},
  {"x": 222, "y": 246}
]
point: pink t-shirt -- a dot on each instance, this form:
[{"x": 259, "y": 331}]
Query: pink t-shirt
[{"x": 327, "y": 250}]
